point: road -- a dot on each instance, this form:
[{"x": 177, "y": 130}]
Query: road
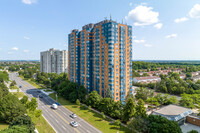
[{"x": 59, "y": 119}]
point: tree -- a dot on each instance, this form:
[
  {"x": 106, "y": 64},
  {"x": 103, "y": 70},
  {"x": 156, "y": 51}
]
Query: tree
[
  {"x": 78, "y": 102},
  {"x": 172, "y": 100},
  {"x": 138, "y": 125},
  {"x": 32, "y": 105},
  {"x": 24, "y": 99},
  {"x": 140, "y": 109},
  {"x": 128, "y": 110},
  {"x": 159, "y": 124},
  {"x": 13, "y": 83},
  {"x": 38, "y": 113},
  {"x": 103, "y": 115},
  {"x": 15, "y": 129},
  {"x": 117, "y": 123},
  {"x": 186, "y": 101},
  {"x": 10, "y": 108},
  {"x": 24, "y": 120},
  {"x": 82, "y": 92},
  {"x": 143, "y": 93},
  {"x": 94, "y": 99},
  {"x": 193, "y": 131}
]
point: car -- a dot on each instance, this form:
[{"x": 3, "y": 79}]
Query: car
[
  {"x": 40, "y": 96},
  {"x": 38, "y": 91},
  {"x": 73, "y": 116},
  {"x": 74, "y": 124},
  {"x": 20, "y": 86},
  {"x": 54, "y": 106}
]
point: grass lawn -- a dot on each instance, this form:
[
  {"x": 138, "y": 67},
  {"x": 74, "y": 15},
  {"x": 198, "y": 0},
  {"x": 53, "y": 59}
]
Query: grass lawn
[
  {"x": 91, "y": 117},
  {"x": 31, "y": 82},
  {"x": 3, "y": 125},
  {"x": 41, "y": 124},
  {"x": 19, "y": 94}
]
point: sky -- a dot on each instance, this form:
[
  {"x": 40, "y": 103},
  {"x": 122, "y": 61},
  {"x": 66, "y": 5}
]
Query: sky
[{"x": 162, "y": 29}]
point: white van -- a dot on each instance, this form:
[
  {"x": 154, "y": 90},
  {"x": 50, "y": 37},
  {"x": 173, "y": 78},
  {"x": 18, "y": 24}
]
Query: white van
[{"x": 54, "y": 106}]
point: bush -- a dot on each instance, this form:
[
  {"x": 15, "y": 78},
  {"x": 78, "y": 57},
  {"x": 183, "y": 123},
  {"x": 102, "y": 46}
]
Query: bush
[{"x": 78, "y": 102}]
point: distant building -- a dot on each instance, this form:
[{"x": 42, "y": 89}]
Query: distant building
[
  {"x": 146, "y": 80},
  {"x": 174, "y": 113},
  {"x": 54, "y": 61}
]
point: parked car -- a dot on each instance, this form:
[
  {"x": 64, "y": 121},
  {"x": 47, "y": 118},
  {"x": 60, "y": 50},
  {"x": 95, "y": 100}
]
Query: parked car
[
  {"x": 74, "y": 124},
  {"x": 73, "y": 116},
  {"x": 54, "y": 106}
]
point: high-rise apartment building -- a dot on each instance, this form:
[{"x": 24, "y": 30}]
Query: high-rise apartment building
[
  {"x": 54, "y": 61},
  {"x": 100, "y": 58}
]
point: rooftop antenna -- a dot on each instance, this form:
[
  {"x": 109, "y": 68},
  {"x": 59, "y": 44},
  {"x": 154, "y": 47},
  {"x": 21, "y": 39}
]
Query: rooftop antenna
[
  {"x": 110, "y": 17},
  {"x": 122, "y": 21}
]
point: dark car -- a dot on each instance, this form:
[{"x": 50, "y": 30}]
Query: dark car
[
  {"x": 20, "y": 86},
  {"x": 38, "y": 91},
  {"x": 40, "y": 96}
]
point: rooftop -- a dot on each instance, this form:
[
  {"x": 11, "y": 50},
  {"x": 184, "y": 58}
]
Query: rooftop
[
  {"x": 146, "y": 78},
  {"x": 172, "y": 110}
]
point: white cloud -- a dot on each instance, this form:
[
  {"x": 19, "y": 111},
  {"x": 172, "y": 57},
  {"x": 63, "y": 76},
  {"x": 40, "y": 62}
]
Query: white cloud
[
  {"x": 158, "y": 25},
  {"x": 178, "y": 20},
  {"x": 27, "y": 38},
  {"x": 143, "y": 15},
  {"x": 139, "y": 41},
  {"x": 130, "y": 4},
  {"x": 195, "y": 11},
  {"x": 171, "y": 36},
  {"x": 15, "y": 48},
  {"x": 29, "y": 2},
  {"x": 148, "y": 45},
  {"x": 25, "y": 51}
]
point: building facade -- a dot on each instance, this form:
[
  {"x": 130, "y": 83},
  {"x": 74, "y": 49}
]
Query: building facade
[
  {"x": 54, "y": 61},
  {"x": 100, "y": 58}
]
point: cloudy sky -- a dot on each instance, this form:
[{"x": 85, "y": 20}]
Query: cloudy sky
[{"x": 162, "y": 29}]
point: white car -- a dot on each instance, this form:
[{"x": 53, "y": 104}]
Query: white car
[
  {"x": 73, "y": 116},
  {"x": 54, "y": 106},
  {"x": 74, "y": 124}
]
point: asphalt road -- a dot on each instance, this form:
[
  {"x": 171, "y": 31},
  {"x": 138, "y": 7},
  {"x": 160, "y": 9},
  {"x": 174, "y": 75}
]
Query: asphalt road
[{"x": 59, "y": 119}]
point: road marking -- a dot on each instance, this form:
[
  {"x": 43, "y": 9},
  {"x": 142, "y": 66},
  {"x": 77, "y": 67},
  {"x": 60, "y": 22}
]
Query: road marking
[
  {"x": 57, "y": 121},
  {"x": 63, "y": 127},
  {"x": 65, "y": 121}
]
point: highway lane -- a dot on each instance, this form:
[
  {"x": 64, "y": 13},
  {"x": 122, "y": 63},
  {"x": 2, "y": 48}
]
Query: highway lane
[{"x": 59, "y": 119}]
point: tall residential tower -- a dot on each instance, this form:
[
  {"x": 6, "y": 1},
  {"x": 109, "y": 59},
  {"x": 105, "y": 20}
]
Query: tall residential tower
[
  {"x": 100, "y": 58},
  {"x": 54, "y": 61}
]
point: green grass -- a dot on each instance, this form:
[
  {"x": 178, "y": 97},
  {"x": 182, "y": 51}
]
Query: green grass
[
  {"x": 31, "y": 82},
  {"x": 91, "y": 117},
  {"x": 19, "y": 94},
  {"x": 3, "y": 125},
  {"x": 41, "y": 124}
]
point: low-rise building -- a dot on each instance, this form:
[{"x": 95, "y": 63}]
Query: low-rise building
[
  {"x": 182, "y": 76},
  {"x": 174, "y": 113},
  {"x": 146, "y": 80}
]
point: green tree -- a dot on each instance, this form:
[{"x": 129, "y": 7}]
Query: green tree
[
  {"x": 138, "y": 125},
  {"x": 38, "y": 113},
  {"x": 193, "y": 131},
  {"x": 140, "y": 109},
  {"x": 94, "y": 99},
  {"x": 128, "y": 110},
  {"x": 143, "y": 93},
  {"x": 78, "y": 102},
  {"x": 10, "y": 108},
  {"x": 23, "y": 120},
  {"x": 117, "y": 123},
  {"x": 159, "y": 124},
  {"x": 186, "y": 101},
  {"x": 32, "y": 105},
  {"x": 24, "y": 99},
  {"x": 16, "y": 129}
]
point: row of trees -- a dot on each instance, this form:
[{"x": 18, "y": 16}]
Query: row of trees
[{"x": 13, "y": 111}]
